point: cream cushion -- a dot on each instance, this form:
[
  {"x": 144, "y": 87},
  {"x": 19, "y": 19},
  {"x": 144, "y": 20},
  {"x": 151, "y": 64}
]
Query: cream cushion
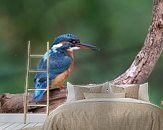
[
  {"x": 76, "y": 92},
  {"x": 131, "y": 90},
  {"x": 137, "y": 91},
  {"x": 70, "y": 95},
  {"x": 104, "y": 95},
  {"x": 143, "y": 92}
]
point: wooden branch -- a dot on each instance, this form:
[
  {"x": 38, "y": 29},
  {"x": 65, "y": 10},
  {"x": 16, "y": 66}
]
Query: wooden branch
[
  {"x": 146, "y": 59},
  {"x": 156, "y": 2},
  {"x": 13, "y": 103}
]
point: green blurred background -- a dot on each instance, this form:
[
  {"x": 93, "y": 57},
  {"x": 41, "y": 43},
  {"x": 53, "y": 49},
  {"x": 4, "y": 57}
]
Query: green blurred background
[{"x": 117, "y": 27}]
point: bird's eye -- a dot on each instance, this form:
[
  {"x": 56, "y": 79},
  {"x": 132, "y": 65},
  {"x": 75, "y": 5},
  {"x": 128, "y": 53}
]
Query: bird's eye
[{"x": 73, "y": 42}]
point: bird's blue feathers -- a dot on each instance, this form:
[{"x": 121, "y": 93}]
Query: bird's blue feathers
[
  {"x": 38, "y": 94},
  {"x": 59, "y": 62}
]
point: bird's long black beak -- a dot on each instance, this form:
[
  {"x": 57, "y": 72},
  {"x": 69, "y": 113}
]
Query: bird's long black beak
[{"x": 86, "y": 46}]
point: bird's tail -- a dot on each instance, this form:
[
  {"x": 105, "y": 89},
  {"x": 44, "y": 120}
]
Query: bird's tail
[{"x": 38, "y": 94}]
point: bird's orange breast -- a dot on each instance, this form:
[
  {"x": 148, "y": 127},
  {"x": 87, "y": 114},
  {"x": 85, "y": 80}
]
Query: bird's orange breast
[{"x": 60, "y": 79}]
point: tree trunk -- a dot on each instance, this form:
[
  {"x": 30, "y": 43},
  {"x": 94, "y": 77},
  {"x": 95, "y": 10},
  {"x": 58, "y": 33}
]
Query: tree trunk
[
  {"x": 138, "y": 72},
  {"x": 13, "y": 103},
  {"x": 144, "y": 62}
]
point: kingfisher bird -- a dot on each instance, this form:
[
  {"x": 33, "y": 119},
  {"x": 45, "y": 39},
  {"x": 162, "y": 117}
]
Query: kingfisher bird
[{"x": 61, "y": 62}]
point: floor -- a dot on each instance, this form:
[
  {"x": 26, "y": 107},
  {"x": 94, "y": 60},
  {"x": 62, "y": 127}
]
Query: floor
[
  {"x": 17, "y": 126},
  {"x": 10, "y": 121}
]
